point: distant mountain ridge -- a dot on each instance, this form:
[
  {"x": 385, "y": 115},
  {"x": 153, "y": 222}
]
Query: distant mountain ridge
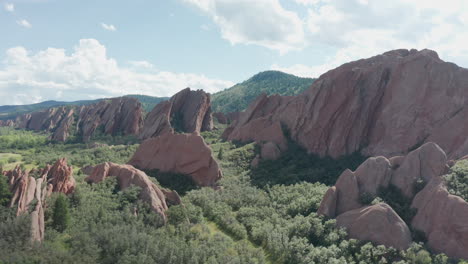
[
  {"x": 239, "y": 96},
  {"x": 12, "y": 111}
]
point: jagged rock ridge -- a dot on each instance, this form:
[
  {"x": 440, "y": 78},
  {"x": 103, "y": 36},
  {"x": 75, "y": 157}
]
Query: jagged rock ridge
[
  {"x": 385, "y": 105},
  {"x": 187, "y": 111},
  {"x": 123, "y": 115},
  {"x": 26, "y": 189}
]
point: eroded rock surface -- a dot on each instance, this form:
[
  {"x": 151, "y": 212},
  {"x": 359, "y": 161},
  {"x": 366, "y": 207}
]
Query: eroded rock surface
[
  {"x": 128, "y": 175},
  {"x": 179, "y": 153},
  {"x": 443, "y": 219},
  {"x": 441, "y": 216},
  {"x": 187, "y": 111},
  {"x": 377, "y": 223},
  {"x": 26, "y": 189},
  {"x": 123, "y": 115},
  {"x": 382, "y": 106}
]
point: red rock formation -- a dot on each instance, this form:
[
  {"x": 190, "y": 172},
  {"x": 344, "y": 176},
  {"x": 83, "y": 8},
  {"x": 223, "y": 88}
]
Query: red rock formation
[
  {"x": 122, "y": 115},
  {"x": 377, "y": 223},
  {"x": 179, "y": 153},
  {"x": 61, "y": 177},
  {"x": 127, "y": 175},
  {"x": 117, "y": 115},
  {"x": 187, "y": 111},
  {"x": 425, "y": 162},
  {"x": 443, "y": 219},
  {"x": 26, "y": 189},
  {"x": 441, "y": 216},
  {"x": 384, "y": 105}
]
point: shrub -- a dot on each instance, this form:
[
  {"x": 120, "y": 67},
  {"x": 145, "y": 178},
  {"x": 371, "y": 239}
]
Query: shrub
[{"x": 366, "y": 198}]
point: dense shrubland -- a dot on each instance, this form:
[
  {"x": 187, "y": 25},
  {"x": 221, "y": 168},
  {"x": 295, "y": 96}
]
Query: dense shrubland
[{"x": 271, "y": 222}]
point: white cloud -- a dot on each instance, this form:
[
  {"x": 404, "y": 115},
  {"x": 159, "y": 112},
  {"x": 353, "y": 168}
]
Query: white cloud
[
  {"x": 86, "y": 73},
  {"x": 355, "y": 29},
  {"x": 108, "y": 27},
  {"x": 379, "y": 26},
  {"x": 9, "y": 7},
  {"x": 24, "y": 23},
  {"x": 261, "y": 22}
]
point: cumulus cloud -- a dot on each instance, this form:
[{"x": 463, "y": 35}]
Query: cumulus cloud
[
  {"x": 24, "y": 23},
  {"x": 355, "y": 29},
  {"x": 9, "y": 7},
  {"x": 261, "y": 22},
  {"x": 108, "y": 27},
  {"x": 87, "y": 73}
]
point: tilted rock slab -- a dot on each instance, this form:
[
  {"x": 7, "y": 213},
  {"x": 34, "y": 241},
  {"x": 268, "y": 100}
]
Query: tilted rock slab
[
  {"x": 382, "y": 106},
  {"x": 123, "y": 115},
  {"x": 188, "y": 111},
  {"x": 179, "y": 153},
  {"x": 126, "y": 176},
  {"x": 443, "y": 218}
]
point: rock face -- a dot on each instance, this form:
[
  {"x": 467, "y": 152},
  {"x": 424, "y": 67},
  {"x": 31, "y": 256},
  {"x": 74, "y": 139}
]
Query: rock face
[
  {"x": 187, "y": 111},
  {"x": 26, "y": 189},
  {"x": 122, "y": 115},
  {"x": 443, "y": 218},
  {"x": 385, "y": 105},
  {"x": 127, "y": 175},
  {"x": 424, "y": 163},
  {"x": 61, "y": 177},
  {"x": 179, "y": 153},
  {"x": 377, "y": 223}
]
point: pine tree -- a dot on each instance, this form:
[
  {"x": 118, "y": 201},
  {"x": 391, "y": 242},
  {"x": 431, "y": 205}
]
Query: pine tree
[
  {"x": 61, "y": 214},
  {"x": 221, "y": 154},
  {"x": 5, "y": 194}
]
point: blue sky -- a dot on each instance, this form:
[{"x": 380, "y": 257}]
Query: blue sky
[{"x": 71, "y": 50}]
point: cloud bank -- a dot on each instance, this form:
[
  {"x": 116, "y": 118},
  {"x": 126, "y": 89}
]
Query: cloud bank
[{"x": 87, "y": 73}]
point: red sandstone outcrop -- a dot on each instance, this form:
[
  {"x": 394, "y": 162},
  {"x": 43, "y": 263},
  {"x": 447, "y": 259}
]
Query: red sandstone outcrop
[
  {"x": 187, "y": 111},
  {"x": 61, "y": 177},
  {"x": 26, "y": 189},
  {"x": 378, "y": 223},
  {"x": 127, "y": 175},
  {"x": 443, "y": 219},
  {"x": 425, "y": 163},
  {"x": 179, "y": 153},
  {"x": 114, "y": 116},
  {"x": 441, "y": 216},
  {"x": 385, "y": 105}
]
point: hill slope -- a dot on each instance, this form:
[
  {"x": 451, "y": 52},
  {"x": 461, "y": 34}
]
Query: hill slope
[{"x": 238, "y": 97}]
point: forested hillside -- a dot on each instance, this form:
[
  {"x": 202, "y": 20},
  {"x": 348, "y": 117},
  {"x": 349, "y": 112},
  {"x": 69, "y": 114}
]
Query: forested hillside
[{"x": 238, "y": 97}]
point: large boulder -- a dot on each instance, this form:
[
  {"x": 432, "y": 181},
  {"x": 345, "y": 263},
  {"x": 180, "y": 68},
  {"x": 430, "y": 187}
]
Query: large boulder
[
  {"x": 126, "y": 176},
  {"x": 179, "y": 153},
  {"x": 382, "y": 106},
  {"x": 187, "y": 111},
  {"x": 443, "y": 219},
  {"x": 123, "y": 115},
  {"x": 377, "y": 223},
  {"x": 424, "y": 163}
]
